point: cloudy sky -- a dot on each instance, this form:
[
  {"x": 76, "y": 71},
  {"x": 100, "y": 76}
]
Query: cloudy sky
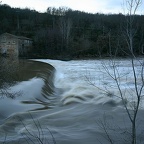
[{"x": 92, "y": 6}]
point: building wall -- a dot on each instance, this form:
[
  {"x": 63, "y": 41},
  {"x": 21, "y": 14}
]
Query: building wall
[
  {"x": 14, "y": 46},
  {"x": 8, "y": 45}
]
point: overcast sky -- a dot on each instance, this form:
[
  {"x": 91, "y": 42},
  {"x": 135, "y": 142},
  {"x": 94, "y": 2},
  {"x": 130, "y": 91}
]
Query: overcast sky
[{"x": 92, "y": 6}]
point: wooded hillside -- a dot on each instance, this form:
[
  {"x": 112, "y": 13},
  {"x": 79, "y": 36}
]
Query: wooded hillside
[{"x": 65, "y": 33}]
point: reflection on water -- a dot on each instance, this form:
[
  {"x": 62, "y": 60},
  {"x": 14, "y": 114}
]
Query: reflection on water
[
  {"x": 29, "y": 69},
  {"x": 34, "y": 80}
]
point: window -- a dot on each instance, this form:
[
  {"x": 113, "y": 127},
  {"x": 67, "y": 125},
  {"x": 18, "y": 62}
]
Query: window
[
  {"x": 14, "y": 42},
  {"x": 4, "y": 39}
]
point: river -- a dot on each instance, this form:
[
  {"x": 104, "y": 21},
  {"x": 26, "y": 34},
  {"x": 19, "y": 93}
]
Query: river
[{"x": 71, "y": 102}]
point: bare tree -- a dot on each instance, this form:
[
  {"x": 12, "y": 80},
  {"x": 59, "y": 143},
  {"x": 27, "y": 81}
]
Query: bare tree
[
  {"x": 138, "y": 76},
  {"x": 135, "y": 73},
  {"x": 65, "y": 25},
  {"x": 38, "y": 136}
]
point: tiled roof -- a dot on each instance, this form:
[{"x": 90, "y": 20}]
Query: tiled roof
[{"x": 18, "y": 37}]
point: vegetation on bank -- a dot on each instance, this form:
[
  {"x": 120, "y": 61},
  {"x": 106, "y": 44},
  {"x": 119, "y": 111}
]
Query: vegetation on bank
[{"x": 66, "y": 33}]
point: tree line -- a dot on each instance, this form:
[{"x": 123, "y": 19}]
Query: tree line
[{"x": 66, "y": 33}]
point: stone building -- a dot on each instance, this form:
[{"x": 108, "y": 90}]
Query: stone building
[{"x": 15, "y": 46}]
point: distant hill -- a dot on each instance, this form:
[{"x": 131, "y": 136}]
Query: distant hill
[{"x": 65, "y": 33}]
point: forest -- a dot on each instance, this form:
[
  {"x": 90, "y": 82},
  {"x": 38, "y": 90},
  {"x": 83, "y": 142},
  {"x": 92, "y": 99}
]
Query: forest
[{"x": 66, "y": 33}]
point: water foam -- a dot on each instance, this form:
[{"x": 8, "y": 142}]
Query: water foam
[{"x": 86, "y": 81}]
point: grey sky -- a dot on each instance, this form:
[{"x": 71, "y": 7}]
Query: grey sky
[{"x": 92, "y": 6}]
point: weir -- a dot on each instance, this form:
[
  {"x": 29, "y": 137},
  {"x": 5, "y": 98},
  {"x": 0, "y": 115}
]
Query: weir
[{"x": 34, "y": 82}]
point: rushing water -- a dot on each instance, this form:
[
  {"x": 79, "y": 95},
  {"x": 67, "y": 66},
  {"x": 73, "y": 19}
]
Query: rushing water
[{"x": 69, "y": 102}]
